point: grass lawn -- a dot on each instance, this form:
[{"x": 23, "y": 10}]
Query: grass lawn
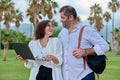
[
  {"x": 15, "y": 70},
  {"x": 12, "y": 69},
  {"x": 112, "y": 71}
]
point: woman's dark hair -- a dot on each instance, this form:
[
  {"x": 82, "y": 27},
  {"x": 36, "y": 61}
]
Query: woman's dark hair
[
  {"x": 69, "y": 10},
  {"x": 40, "y": 30}
]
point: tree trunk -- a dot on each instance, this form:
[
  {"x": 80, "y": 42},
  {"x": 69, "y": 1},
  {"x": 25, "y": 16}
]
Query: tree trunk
[
  {"x": 6, "y": 46},
  {"x": 106, "y": 31},
  {"x": 117, "y": 50},
  {"x": 116, "y": 47},
  {"x": 113, "y": 29},
  {"x": 31, "y": 30}
]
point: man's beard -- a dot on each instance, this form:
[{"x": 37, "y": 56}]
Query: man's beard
[{"x": 65, "y": 26}]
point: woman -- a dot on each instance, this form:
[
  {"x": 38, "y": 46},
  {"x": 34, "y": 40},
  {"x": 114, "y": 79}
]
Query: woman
[{"x": 47, "y": 52}]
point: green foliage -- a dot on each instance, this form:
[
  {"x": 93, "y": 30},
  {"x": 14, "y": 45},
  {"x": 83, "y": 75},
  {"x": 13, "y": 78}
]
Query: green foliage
[
  {"x": 8, "y": 35},
  {"x": 116, "y": 34},
  {"x": 11, "y": 36},
  {"x": 27, "y": 40},
  {"x": 21, "y": 37},
  {"x": 56, "y": 32}
]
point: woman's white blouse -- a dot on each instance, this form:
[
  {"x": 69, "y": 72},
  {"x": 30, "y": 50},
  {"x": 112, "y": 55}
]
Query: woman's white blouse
[{"x": 53, "y": 47}]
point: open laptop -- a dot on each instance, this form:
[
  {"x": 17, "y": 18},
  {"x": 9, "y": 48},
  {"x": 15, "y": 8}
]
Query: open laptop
[{"x": 23, "y": 50}]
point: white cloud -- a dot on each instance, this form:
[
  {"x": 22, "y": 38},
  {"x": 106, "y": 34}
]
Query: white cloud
[
  {"x": 21, "y": 4},
  {"x": 83, "y": 6}
]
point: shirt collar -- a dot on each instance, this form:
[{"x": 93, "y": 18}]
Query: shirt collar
[{"x": 79, "y": 25}]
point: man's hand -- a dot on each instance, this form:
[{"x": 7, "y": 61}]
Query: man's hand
[{"x": 78, "y": 53}]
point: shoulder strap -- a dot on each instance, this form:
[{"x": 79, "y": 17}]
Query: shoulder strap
[
  {"x": 79, "y": 41},
  {"x": 80, "y": 36}
]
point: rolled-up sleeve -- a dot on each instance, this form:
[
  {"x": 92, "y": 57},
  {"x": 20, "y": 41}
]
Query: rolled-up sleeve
[
  {"x": 99, "y": 44},
  {"x": 29, "y": 64}
]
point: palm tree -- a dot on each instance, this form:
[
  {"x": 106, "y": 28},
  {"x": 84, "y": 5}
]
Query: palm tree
[
  {"x": 7, "y": 16},
  {"x": 33, "y": 12},
  {"x": 116, "y": 34},
  {"x": 41, "y": 9},
  {"x": 116, "y": 37},
  {"x": 1, "y": 13},
  {"x": 18, "y": 18},
  {"x": 7, "y": 37},
  {"x": 99, "y": 23},
  {"x": 114, "y": 6},
  {"x": 107, "y": 17},
  {"x": 95, "y": 16},
  {"x": 7, "y": 8},
  {"x": 1, "y": 10},
  {"x": 95, "y": 9},
  {"x": 54, "y": 23},
  {"x": 91, "y": 20},
  {"x": 7, "y": 13}
]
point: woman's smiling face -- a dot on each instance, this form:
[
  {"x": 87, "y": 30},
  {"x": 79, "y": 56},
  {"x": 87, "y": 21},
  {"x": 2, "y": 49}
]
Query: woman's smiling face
[{"x": 49, "y": 29}]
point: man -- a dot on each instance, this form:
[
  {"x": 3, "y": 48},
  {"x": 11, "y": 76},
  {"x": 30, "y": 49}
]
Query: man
[{"x": 73, "y": 68}]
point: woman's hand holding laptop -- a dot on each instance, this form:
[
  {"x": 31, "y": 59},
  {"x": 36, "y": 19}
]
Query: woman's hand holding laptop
[{"x": 21, "y": 59}]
